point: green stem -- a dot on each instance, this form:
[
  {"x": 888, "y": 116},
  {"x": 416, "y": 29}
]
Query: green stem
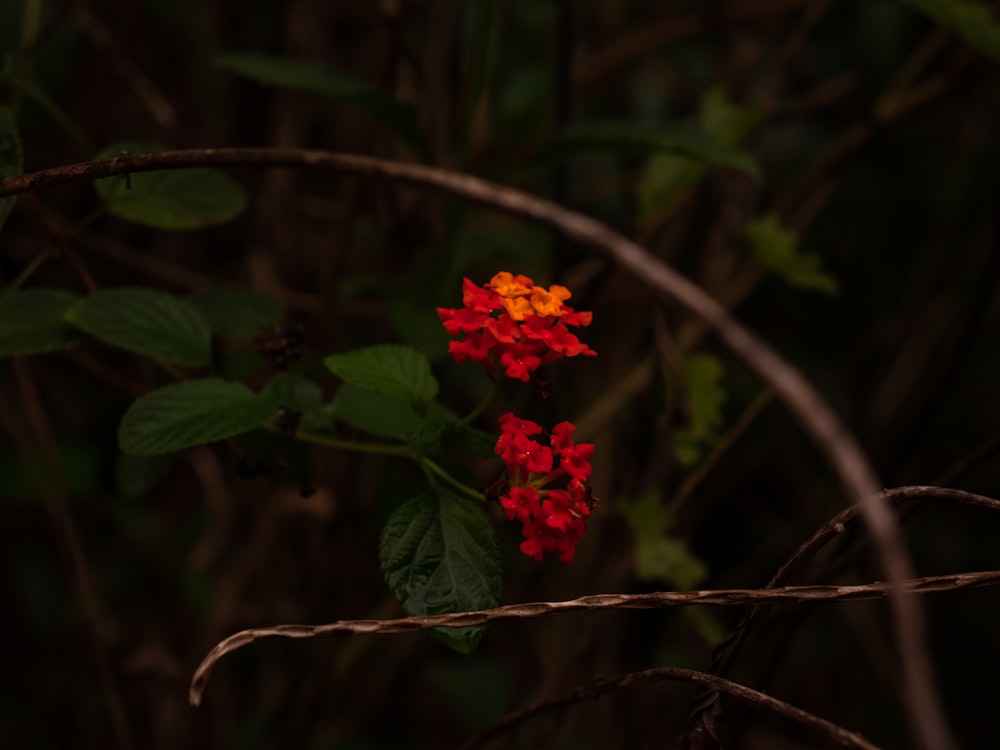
[
  {"x": 432, "y": 468},
  {"x": 385, "y": 449},
  {"x": 491, "y": 396}
]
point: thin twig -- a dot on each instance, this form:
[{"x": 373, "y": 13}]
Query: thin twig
[
  {"x": 596, "y": 602},
  {"x": 836, "y": 443},
  {"x": 836, "y": 734}
]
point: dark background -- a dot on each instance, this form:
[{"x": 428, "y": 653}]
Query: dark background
[{"x": 877, "y": 137}]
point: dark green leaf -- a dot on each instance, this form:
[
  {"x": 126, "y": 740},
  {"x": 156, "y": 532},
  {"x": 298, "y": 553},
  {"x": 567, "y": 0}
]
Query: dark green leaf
[
  {"x": 668, "y": 560},
  {"x": 11, "y": 158},
  {"x": 777, "y": 248},
  {"x": 439, "y": 554},
  {"x": 33, "y": 322},
  {"x": 191, "y": 413},
  {"x": 705, "y": 397},
  {"x": 728, "y": 123},
  {"x": 333, "y": 84},
  {"x": 973, "y": 21},
  {"x": 391, "y": 418},
  {"x": 683, "y": 139},
  {"x": 667, "y": 174},
  {"x": 471, "y": 439},
  {"x": 170, "y": 199},
  {"x": 237, "y": 312},
  {"x": 375, "y": 413},
  {"x": 146, "y": 322},
  {"x": 399, "y": 372}
]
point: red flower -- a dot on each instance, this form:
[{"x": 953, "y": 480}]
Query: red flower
[
  {"x": 514, "y": 326},
  {"x": 574, "y": 459},
  {"x": 552, "y": 520},
  {"x": 518, "y": 451}
]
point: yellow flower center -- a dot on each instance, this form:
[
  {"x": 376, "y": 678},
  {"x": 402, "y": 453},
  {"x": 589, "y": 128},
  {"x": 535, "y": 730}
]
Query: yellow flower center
[
  {"x": 549, "y": 303},
  {"x": 507, "y": 285},
  {"x": 520, "y": 297}
]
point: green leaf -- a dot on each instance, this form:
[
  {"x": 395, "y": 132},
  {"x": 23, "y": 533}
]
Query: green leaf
[
  {"x": 391, "y": 418},
  {"x": 399, "y": 372},
  {"x": 147, "y": 322},
  {"x": 237, "y": 312},
  {"x": 374, "y": 412},
  {"x": 295, "y": 392},
  {"x": 777, "y": 248},
  {"x": 191, "y": 413},
  {"x": 170, "y": 199},
  {"x": 659, "y": 556},
  {"x": 439, "y": 554},
  {"x": 973, "y": 21},
  {"x": 33, "y": 322},
  {"x": 471, "y": 439},
  {"x": 705, "y": 398},
  {"x": 332, "y": 84},
  {"x": 682, "y": 139},
  {"x": 728, "y": 123},
  {"x": 11, "y": 158}
]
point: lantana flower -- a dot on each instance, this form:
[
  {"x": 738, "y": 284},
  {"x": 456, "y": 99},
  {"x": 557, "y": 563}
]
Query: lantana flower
[
  {"x": 510, "y": 324},
  {"x": 552, "y": 519}
]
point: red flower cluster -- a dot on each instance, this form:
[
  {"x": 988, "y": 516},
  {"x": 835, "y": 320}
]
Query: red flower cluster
[
  {"x": 512, "y": 323},
  {"x": 552, "y": 520}
]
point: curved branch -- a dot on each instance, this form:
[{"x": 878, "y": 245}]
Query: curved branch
[
  {"x": 836, "y": 734},
  {"x": 654, "y": 600},
  {"x": 834, "y": 441}
]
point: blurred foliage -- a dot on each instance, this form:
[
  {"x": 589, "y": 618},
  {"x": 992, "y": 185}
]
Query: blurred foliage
[{"x": 768, "y": 149}]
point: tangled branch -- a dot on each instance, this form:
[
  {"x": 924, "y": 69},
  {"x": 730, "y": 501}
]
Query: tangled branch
[
  {"x": 726, "y": 652},
  {"x": 601, "y": 686},
  {"x": 835, "y": 442},
  {"x": 832, "y": 529},
  {"x": 597, "y": 602}
]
